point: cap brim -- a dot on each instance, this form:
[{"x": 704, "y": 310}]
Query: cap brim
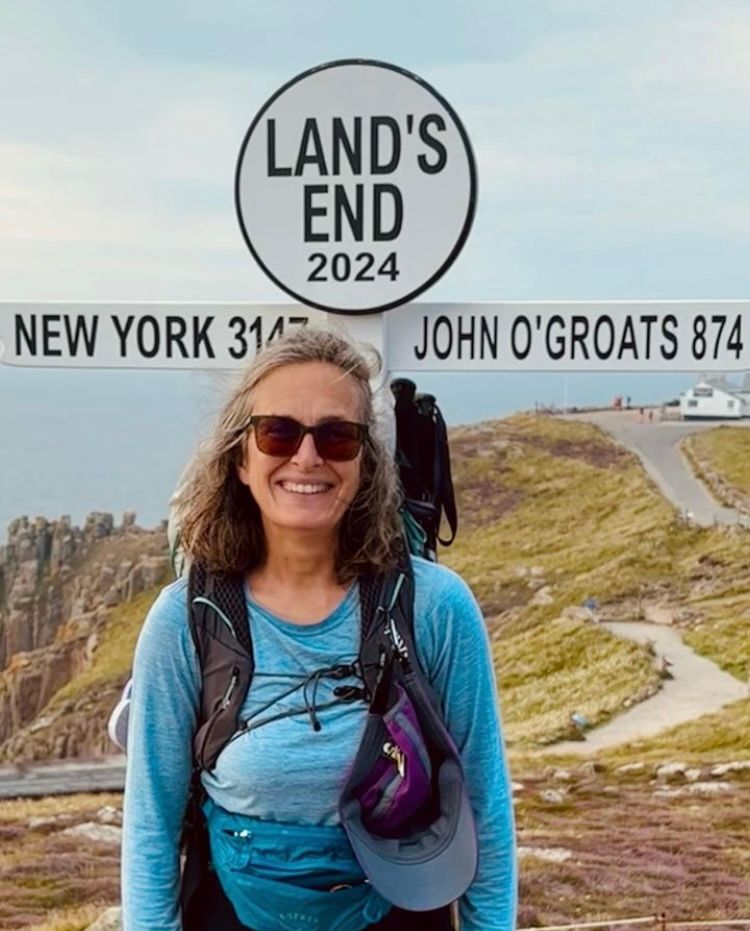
[{"x": 428, "y": 869}]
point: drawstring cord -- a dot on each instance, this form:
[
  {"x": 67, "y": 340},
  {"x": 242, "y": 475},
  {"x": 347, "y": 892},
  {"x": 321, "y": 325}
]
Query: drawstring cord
[{"x": 343, "y": 695}]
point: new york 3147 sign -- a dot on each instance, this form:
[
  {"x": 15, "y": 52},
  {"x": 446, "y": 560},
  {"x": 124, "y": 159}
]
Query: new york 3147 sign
[{"x": 355, "y": 186}]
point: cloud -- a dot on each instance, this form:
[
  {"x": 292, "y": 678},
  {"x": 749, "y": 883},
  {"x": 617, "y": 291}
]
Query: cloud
[{"x": 608, "y": 139}]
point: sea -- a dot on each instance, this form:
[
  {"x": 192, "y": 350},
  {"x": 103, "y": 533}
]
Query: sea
[{"x": 74, "y": 441}]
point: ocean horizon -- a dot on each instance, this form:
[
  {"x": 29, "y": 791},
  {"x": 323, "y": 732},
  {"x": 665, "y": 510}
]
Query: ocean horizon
[{"x": 77, "y": 441}]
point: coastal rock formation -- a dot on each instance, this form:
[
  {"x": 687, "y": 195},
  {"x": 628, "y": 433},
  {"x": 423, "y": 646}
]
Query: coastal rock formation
[{"x": 58, "y": 584}]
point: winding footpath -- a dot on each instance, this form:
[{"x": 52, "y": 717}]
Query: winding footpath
[
  {"x": 698, "y": 686},
  {"x": 657, "y": 445}
]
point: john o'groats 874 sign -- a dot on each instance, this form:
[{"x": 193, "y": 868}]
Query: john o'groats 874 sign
[{"x": 355, "y": 186}]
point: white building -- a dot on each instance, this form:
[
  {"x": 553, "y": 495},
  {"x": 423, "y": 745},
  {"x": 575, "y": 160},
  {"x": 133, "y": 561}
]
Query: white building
[{"x": 711, "y": 400}]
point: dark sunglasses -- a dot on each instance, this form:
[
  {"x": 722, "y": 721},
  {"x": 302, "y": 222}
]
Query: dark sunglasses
[{"x": 337, "y": 440}]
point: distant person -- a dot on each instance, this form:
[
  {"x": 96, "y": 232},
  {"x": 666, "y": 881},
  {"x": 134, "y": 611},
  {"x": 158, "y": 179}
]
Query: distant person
[
  {"x": 627, "y": 402},
  {"x": 650, "y": 415},
  {"x": 640, "y": 414},
  {"x": 293, "y": 506}
]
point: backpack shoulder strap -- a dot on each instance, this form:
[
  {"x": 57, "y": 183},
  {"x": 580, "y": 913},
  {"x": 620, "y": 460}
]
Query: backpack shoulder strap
[
  {"x": 443, "y": 480},
  {"x": 387, "y": 622},
  {"x": 219, "y": 627}
]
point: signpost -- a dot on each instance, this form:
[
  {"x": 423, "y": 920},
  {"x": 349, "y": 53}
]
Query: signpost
[
  {"x": 356, "y": 187},
  {"x": 355, "y": 191},
  {"x": 658, "y": 336}
]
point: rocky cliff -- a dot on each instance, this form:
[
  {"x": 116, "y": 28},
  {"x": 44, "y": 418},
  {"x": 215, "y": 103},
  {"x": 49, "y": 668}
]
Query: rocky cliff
[{"x": 60, "y": 587}]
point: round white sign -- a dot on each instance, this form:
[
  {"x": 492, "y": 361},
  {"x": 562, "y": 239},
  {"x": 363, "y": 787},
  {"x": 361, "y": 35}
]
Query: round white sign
[{"x": 355, "y": 186}]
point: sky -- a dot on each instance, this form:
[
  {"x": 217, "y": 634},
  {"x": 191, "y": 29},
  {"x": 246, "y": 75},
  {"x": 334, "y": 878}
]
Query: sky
[{"x": 610, "y": 140}]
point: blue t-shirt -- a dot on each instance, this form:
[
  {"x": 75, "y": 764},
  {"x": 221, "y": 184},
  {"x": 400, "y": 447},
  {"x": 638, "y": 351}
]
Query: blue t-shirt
[{"x": 284, "y": 770}]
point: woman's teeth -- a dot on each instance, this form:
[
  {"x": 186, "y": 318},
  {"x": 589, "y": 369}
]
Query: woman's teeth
[{"x": 304, "y": 489}]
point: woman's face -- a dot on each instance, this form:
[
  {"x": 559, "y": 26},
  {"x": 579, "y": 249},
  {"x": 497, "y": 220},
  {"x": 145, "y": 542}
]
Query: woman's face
[{"x": 304, "y": 491}]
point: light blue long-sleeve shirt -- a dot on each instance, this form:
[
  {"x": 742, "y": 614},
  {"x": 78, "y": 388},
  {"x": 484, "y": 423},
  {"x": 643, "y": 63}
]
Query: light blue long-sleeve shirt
[{"x": 285, "y": 771}]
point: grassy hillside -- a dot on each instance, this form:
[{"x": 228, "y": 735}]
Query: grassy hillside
[
  {"x": 725, "y": 450},
  {"x": 552, "y": 514}
]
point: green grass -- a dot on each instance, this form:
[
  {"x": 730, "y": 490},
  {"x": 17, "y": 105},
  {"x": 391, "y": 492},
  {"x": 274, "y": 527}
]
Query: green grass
[
  {"x": 725, "y": 450},
  {"x": 114, "y": 656},
  {"x": 559, "y": 667},
  {"x": 560, "y": 499}
]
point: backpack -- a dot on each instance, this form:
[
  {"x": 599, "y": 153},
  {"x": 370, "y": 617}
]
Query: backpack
[
  {"x": 388, "y": 809},
  {"x": 424, "y": 467}
]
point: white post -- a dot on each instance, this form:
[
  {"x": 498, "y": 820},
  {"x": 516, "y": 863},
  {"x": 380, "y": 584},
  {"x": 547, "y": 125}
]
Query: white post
[{"x": 370, "y": 331}]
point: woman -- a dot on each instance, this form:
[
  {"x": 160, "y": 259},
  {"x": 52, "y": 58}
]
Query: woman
[{"x": 301, "y": 529}]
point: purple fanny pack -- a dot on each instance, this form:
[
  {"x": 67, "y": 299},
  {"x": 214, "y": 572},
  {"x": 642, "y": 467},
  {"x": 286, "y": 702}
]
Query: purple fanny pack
[{"x": 400, "y": 782}]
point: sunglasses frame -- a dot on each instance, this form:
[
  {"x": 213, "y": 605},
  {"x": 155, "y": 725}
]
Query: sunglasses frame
[{"x": 362, "y": 431}]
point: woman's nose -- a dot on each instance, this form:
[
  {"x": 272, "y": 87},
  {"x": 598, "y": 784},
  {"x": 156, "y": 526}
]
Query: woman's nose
[{"x": 307, "y": 453}]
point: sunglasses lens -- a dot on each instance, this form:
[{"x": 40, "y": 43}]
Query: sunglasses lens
[
  {"x": 277, "y": 436},
  {"x": 338, "y": 441}
]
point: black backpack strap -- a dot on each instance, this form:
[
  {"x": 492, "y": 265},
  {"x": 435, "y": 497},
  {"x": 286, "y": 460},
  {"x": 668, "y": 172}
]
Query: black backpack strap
[
  {"x": 446, "y": 498},
  {"x": 221, "y": 633},
  {"x": 217, "y": 616},
  {"x": 387, "y": 623}
]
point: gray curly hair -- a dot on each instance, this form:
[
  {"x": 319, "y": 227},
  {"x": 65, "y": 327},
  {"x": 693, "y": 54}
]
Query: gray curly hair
[{"x": 220, "y": 522}]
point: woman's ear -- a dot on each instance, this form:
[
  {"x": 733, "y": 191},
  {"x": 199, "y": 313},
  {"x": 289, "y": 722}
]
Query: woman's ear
[{"x": 243, "y": 472}]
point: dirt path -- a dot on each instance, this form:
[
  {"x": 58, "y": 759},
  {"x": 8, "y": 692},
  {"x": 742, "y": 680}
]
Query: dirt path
[
  {"x": 657, "y": 445},
  {"x": 698, "y": 687}
]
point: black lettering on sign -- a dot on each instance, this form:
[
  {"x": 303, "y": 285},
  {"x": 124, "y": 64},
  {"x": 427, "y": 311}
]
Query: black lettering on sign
[
  {"x": 389, "y": 165},
  {"x": 242, "y": 327},
  {"x": 734, "y": 340},
  {"x": 421, "y": 351},
  {"x": 310, "y": 211},
  {"x": 355, "y": 216},
  {"x": 79, "y": 333},
  {"x": 520, "y": 337},
  {"x": 471, "y": 342},
  {"x": 379, "y": 232},
  {"x": 273, "y": 169},
  {"x": 436, "y": 166},
  {"x": 669, "y": 334},
  {"x": 50, "y": 332},
  {"x": 122, "y": 331},
  {"x": 311, "y": 149},
  {"x": 442, "y": 323},
  {"x": 649, "y": 320},
  {"x": 555, "y": 343},
  {"x": 240, "y": 350},
  {"x": 604, "y": 350},
  {"x": 488, "y": 339},
  {"x": 579, "y": 332},
  {"x": 628, "y": 342},
  {"x": 147, "y": 336},
  {"x": 26, "y": 335},
  {"x": 466, "y": 337},
  {"x": 176, "y": 330},
  {"x": 352, "y": 148},
  {"x": 172, "y": 334},
  {"x": 201, "y": 340}
]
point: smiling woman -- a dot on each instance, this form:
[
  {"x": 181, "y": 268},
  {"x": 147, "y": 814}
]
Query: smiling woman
[{"x": 283, "y": 695}]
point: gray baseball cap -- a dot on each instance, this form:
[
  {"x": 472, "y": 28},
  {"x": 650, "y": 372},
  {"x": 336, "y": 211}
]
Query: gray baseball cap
[{"x": 433, "y": 860}]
